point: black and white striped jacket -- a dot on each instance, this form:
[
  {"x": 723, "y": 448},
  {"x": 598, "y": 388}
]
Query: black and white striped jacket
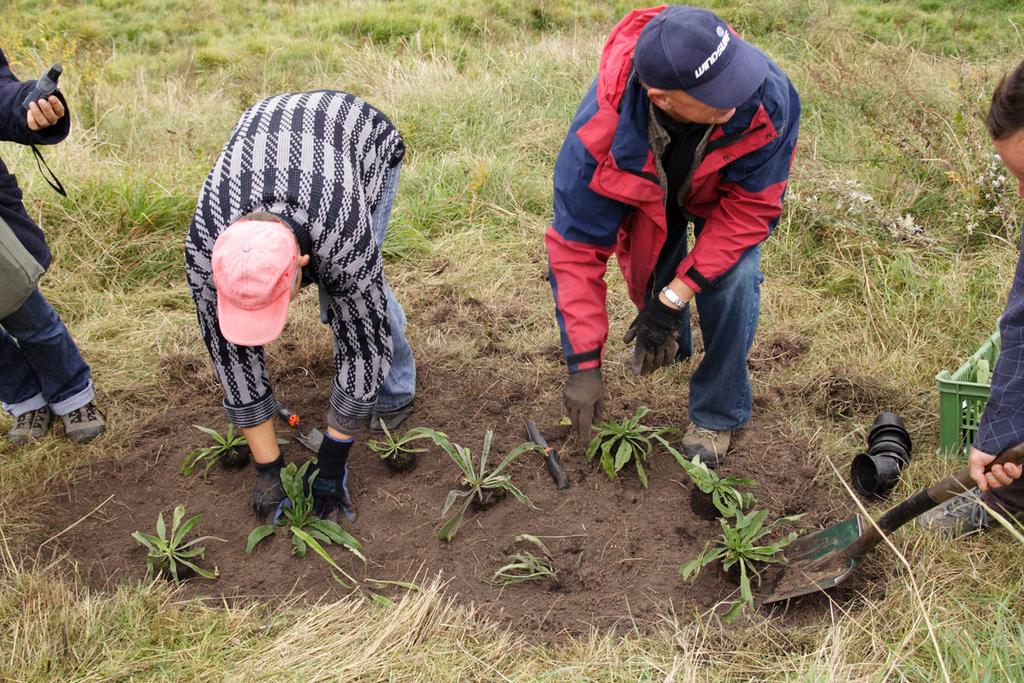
[{"x": 320, "y": 160}]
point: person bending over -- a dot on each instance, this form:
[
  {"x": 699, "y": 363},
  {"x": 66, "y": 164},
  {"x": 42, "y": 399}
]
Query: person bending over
[
  {"x": 302, "y": 193},
  {"x": 686, "y": 123}
]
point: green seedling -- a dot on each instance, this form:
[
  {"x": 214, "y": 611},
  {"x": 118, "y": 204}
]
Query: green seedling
[
  {"x": 225, "y": 450},
  {"x": 396, "y": 452},
  {"x": 742, "y": 545},
  {"x": 308, "y": 530},
  {"x": 724, "y": 495},
  {"x": 625, "y": 441},
  {"x": 169, "y": 552},
  {"x": 524, "y": 565},
  {"x": 478, "y": 484}
]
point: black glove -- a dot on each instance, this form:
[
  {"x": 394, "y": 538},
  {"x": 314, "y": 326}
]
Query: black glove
[
  {"x": 330, "y": 487},
  {"x": 267, "y": 494},
  {"x": 584, "y": 400},
  {"x": 655, "y": 330}
]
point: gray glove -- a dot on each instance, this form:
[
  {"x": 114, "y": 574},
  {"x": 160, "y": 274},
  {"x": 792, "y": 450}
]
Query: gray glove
[{"x": 584, "y": 400}]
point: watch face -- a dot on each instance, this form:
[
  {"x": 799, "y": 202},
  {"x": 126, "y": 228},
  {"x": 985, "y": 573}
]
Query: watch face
[{"x": 673, "y": 298}]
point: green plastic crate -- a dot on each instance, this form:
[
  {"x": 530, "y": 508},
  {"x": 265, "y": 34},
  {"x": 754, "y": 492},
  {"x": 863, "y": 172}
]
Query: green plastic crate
[{"x": 962, "y": 401}]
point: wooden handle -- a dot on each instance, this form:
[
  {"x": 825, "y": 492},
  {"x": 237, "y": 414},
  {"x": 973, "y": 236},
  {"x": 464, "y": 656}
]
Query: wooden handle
[
  {"x": 947, "y": 488},
  {"x": 924, "y": 500}
]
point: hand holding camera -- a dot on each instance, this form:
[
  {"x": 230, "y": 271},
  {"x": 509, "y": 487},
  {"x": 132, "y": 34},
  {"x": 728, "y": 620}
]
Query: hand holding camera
[{"x": 42, "y": 106}]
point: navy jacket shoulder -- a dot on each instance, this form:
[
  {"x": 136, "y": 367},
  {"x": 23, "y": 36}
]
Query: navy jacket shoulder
[{"x": 768, "y": 164}]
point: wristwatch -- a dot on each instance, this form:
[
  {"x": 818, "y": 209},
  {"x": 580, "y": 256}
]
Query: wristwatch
[{"x": 673, "y": 298}]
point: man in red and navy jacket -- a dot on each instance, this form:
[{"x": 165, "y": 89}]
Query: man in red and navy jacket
[{"x": 686, "y": 123}]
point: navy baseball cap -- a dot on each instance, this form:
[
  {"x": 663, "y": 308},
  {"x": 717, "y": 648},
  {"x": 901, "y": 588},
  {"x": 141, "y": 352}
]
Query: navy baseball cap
[{"x": 690, "y": 49}]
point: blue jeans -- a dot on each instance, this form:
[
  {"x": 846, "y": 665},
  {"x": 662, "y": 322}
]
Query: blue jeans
[
  {"x": 400, "y": 384},
  {"x": 720, "y": 393},
  {"x": 39, "y": 362}
]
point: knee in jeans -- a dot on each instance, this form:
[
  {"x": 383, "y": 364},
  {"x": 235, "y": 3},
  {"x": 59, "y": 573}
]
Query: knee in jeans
[
  {"x": 746, "y": 276},
  {"x": 748, "y": 271},
  {"x": 43, "y": 331}
]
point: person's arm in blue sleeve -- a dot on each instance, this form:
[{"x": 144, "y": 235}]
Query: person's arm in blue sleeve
[
  {"x": 15, "y": 123},
  {"x": 1002, "y": 424}
]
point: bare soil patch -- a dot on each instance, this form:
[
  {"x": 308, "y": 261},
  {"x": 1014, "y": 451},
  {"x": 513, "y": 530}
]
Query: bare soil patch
[
  {"x": 778, "y": 351},
  {"x": 616, "y": 545}
]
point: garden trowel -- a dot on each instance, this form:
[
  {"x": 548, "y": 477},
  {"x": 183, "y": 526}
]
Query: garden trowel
[
  {"x": 826, "y": 558},
  {"x": 550, "y": 456},
  {"x": 310, "y": 439}
]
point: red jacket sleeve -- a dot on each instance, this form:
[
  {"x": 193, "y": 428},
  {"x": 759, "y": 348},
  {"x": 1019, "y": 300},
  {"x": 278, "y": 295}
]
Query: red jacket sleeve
[
  {"x": 740, "y": 221},
  {"x": 576, "y": 273},
  {"x": 751, "y": 190}
]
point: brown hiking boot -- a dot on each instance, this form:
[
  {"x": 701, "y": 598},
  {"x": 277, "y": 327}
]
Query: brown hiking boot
[
  {"x": 31, "y": 426},
  {"x": 84, "y": 424},
  {"x": 709, "y": 444}
]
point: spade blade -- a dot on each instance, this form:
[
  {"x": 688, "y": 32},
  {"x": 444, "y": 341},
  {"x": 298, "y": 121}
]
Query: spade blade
[{"x": 818, "y": 561}]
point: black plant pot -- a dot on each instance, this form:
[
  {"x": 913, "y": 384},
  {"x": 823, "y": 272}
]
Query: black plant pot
[
  {"x": 896, "y": 448},
  {"x": 875, "y": 472},
  {"x": 889, "y": 427},
  {"x": 875, "y": 475}
]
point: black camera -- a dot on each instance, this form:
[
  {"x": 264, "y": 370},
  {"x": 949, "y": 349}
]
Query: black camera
[{"x": 45, "y": 86}]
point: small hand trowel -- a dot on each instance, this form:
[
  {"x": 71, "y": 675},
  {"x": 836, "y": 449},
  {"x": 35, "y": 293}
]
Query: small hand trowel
[
  {"x": 550, "y": 456},
  {"x": 310, "y": 439}
]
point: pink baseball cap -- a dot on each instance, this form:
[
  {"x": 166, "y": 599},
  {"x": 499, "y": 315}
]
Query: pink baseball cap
[{"x": 254, "y": 265}]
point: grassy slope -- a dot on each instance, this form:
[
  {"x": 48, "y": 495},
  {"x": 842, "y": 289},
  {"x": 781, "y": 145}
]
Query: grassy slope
[{"x": 892, "y": 259}]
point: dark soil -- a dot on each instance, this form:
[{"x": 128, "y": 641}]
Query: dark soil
[
  {"x": 401, "y": 462},
  {"x": 702, "y": 505},
  {"x": 616, "y": 546},
  {"x": 235, "y": 459},
  {"x": 487, "y": 499}
]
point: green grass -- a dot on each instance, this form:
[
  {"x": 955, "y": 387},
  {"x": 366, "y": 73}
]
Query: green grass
[{"x": 892, "y": 260}]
